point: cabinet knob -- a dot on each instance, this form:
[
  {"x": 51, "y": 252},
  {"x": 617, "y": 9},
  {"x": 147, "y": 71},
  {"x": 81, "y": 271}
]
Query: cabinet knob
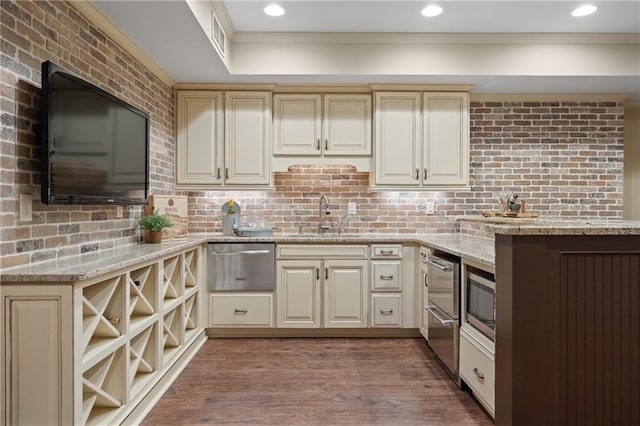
[{"x": 479, "y": 374}]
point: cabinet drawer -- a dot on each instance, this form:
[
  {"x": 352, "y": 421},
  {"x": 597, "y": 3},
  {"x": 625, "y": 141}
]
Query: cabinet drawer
[
  {"x": 323, "y": 251},
  {"x": 477, "y": 369},
  {"x": 241, "y": 310},
  {"x": 386, "y": 310},
  {"x": 385, "y": 276},
  {"x": 386, "y": 251}
]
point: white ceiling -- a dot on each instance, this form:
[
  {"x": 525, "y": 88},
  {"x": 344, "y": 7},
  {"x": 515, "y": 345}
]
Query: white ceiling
[
  {"x": 457, "y": 17},
  {"x": 170, "y": 34}
]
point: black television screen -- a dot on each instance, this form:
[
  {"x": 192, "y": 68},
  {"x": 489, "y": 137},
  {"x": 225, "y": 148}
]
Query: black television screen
[{"x": 94, "y": 146}]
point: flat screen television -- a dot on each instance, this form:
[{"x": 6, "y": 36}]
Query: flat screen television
[{"x": 95, "y": 147}]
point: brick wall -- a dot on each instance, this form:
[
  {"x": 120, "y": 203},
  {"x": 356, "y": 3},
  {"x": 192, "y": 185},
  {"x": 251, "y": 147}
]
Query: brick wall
[{"x": 33, "y": 32}]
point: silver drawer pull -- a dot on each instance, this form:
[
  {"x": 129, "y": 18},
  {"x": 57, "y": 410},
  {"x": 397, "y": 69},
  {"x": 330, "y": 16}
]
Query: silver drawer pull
[
  {"x": 445, "y": 268},
  {"x": 240, "y": 311},
  {"x": 386, "y": 277},
  {"x": 386, "y": 251},
  {"x": 386, "y": 311},
  {"x": 433, "y": 311},
  {"x": 479, "y": 374}
]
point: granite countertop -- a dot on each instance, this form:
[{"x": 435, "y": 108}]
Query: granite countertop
[
  {"x": 90, "y": 265},
  {"x": 566, "y": 227}
]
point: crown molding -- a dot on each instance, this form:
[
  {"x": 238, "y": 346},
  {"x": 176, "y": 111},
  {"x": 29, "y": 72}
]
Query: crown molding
[
  {"x": 433, "y": 38},
  {"x": 97, "y": 18}
]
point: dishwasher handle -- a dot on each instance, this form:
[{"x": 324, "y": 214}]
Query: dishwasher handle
[
  {"x": 445, "y": 268},
  {"x": 235, "y": 253}
]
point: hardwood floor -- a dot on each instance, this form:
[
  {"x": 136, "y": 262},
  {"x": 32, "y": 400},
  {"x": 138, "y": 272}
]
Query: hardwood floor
[{"x": 315, "y": 381}]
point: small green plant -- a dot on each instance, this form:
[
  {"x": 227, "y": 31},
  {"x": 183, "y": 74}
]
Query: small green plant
[{"x": 155, "y": 221}]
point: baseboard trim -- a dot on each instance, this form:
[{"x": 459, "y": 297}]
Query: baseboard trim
[{"x": 314, "y": 332}]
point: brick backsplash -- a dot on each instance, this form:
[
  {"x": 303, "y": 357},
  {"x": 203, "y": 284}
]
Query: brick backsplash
[
  {"x": 33, "y": 32},
  {"x": 564, "y": 158}
]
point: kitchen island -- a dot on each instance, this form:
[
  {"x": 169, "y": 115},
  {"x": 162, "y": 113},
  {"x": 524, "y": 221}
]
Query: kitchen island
[{"x": 567, "y": 323}]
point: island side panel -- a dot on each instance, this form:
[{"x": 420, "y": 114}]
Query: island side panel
[{"x": 568, "y": 329}]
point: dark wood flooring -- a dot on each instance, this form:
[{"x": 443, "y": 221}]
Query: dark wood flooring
[{"x": 315, "y": 381}]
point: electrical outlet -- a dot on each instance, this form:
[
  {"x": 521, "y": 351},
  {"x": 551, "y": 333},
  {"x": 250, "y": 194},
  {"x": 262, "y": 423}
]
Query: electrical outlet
[
  {"x": 119, "y": 212},
  {"x": 25, "y": 208},
  {"x": 351, "y": 207},
  {"x": 431, "y": 207}
]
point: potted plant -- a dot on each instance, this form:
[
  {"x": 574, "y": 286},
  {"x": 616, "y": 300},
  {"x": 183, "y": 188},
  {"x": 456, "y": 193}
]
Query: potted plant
[{"x": 153, "y": 224}]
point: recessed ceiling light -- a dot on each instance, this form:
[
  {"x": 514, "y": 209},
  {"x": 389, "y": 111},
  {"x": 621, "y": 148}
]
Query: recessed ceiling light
[
  {"x": 431, "y": 10},
  {"x": 274, "y": 10},
  {"x": 585, "y": 10}
]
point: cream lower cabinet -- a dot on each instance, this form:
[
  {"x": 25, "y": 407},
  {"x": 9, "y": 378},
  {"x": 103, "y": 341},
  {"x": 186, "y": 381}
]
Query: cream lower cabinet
[
  {"x": 322, "y": 286},
  {"x": 94, "y": 352},
  {"x": 241, "y": 310},
  {"x": 421, "y": 140}
]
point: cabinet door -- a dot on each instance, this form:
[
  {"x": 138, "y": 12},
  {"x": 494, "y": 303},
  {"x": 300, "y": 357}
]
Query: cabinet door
[
  {"x": 345, "y": 293},
  {"x": 247, "y": 138},
  {"x": 297, "y": 122},
  {"x": 397, "y": 139},
  {"x": 446, "y": 139},
  {"x": 37, "y": 365},
  {"x": 298, "y": 293},
  {"x": 347, "y": 124},
  {"x": 199, "y": 138}
]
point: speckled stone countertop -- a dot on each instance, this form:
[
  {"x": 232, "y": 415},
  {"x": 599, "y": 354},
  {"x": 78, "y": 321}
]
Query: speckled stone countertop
[
  {"x": 87, "y": 266},
  {"x": 567, "y": 227}
]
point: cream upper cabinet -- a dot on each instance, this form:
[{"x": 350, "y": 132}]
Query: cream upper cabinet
[
  {"x": 316, "y": 124},
  {"x": 421, "y": 140},
  {"x": 199, "y": 138},
  {"x": 247, "y": 138},
  {"x": 223, "y": 139},
  {"x": 446, "y": 139},
  {"x": 297, "y": 124},
  {"x": 398, "y": 139}
]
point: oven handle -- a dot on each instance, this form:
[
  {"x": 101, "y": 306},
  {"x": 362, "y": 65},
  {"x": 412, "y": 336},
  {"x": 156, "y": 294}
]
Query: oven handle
[
  {"x": 445, "y": 268},
  {"x": 433, "y": 311}
]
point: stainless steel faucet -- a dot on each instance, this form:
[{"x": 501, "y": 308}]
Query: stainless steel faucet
[
  {"x": 344, "y": 220},
  {"x": 323, "y": 209}
]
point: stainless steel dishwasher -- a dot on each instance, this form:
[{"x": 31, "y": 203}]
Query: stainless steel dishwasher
[{"x": 241, "y": 267}]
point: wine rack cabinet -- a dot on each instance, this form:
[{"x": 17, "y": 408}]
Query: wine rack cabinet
[{"x": 128, "y": 333}]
